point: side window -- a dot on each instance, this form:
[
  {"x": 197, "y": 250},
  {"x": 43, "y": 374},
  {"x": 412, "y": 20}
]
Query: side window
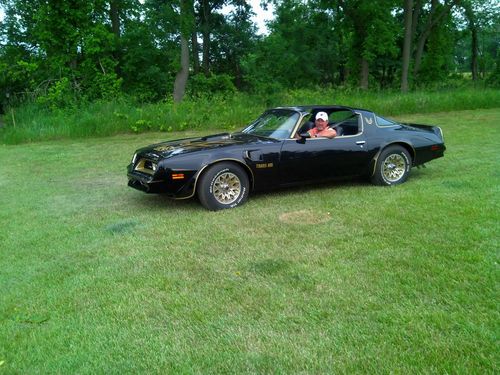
[
  {"x": 384, "y": 122},
  {"x": 345, "y": 122},
  {"x": 338, "y": 116}
]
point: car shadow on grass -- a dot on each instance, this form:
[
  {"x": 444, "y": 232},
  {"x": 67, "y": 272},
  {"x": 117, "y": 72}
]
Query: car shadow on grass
[
  {"x": 156, "y": 202},
  {"x": 160, "y": 202},
  {"x": 310, "y": 188},
  {"x": 340, "y": 185}
]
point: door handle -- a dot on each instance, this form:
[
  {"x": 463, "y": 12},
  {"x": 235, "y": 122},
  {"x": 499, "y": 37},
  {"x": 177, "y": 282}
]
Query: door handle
[{"x": 360, "y": 143}]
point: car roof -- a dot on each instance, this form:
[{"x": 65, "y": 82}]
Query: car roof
[{"x": 308, "y": 108}]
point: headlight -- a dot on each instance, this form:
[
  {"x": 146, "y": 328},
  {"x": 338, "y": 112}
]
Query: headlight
[
  {"x": 134, "y": 158},
  {"x": 154, "y": 166}
]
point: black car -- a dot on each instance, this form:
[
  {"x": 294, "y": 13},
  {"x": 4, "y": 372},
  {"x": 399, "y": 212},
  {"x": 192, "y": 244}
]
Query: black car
[{"x": 275, "y": 150}]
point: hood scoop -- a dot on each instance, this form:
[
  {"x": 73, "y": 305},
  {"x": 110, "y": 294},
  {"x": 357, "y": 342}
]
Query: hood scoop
[{"x": 216, "y": 137}]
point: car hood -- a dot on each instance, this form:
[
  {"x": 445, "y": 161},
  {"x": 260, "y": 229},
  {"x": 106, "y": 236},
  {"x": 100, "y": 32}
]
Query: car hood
[{"x": 189, "y": 145}]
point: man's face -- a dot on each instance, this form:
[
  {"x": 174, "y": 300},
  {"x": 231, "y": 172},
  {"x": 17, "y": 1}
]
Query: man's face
[{"x": 321, "y": 124}]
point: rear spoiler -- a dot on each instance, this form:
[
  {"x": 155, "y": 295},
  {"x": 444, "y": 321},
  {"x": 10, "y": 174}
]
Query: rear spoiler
[{"x": 430, "y": 128}]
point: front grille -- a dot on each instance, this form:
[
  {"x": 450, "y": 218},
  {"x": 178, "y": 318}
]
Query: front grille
[{"x": 148, "y": 164}]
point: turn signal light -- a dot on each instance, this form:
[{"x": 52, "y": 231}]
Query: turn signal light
[
  {"x": 177, "y": 176},
  {"x": 435, "y": 147}
]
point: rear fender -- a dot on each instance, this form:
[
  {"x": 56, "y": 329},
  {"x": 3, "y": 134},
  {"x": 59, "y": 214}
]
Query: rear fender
[{"x": 403, "y": 144}]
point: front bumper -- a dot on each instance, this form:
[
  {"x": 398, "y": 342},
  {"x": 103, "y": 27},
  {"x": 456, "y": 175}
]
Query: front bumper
[
  {"x": 144, "y": 184},
  {"x": 162, "y": 183}
]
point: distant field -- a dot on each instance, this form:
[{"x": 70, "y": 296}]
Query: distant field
[{"x": 338, "y": 278}]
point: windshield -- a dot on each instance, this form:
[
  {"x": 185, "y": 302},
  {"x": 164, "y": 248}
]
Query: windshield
[{"x": 277, "y": 123}]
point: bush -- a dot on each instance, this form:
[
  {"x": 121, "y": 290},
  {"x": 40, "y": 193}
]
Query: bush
[
  {"x": 60, "y": 94},
  {"x": 221, "y": 84},
  {"x": 494, "y": 78}
]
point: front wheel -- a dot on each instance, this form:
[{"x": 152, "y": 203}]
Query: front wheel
[
  {"x": 393, "y": 166},
  {"x": 223, "y": 185}
]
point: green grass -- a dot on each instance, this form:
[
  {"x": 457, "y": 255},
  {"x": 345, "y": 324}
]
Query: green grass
[
  {"x": 31, "y": 123},
  {"x": 338, "y": 278}
]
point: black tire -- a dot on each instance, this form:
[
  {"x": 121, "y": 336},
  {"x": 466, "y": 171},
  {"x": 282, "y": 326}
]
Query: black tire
[
  {"x": 223, "y": 185},
  {"x": 393, "y": 166}
]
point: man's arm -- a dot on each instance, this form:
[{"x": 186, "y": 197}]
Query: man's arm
[{"x": 327, "y": 133}]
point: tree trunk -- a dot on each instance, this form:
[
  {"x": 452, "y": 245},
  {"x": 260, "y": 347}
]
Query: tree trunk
[
  {"x": 474, "y": 55},
  {"x": 342, "y": 62},
  {"x": 182, "y": 75},
  {"x": 407, "y": 45},
  {"x": 205, "y": 28},
  {"x": 114, "y": 15},
  {"x": 365, "y": 71},
  {"x": 423, "y": 38},
  {"x": 196, "y": 57},
  {"x": 469, "y": 13},
  {"x": 420, "y": 51},
  {"x": 416, "y": 14}
]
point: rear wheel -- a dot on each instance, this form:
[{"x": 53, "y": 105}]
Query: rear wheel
[
  {"x": 223, "y": 185},
  {"x": 393, "y": 166}
]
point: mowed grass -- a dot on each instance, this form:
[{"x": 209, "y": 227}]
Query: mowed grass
[{"x": 337, "y": 278}]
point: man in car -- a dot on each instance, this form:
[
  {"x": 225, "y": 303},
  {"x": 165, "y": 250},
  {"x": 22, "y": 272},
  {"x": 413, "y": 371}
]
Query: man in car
[{"x": 321, "y": 128}]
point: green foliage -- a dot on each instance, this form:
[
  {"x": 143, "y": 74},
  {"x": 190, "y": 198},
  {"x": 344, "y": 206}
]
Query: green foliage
[
  {"x": 494, "y": 78},
  {"x": 97, "y": 69},
  {"x": 376, "y": 28},
  {"x": 221, "y": 84},
  {"x": 101, "y": 81},
  {"x": 140, "y": 126},
  {"x": 22, "y": 71},
  {"x": 147, "y": 71},
  {"x": 104, "y": 50},
  {"x": 437, "y": 63},
  {"x": 17, "y": 77},
  {"x": 59, "y": 95},
  {"x": 299, "y": 52}
]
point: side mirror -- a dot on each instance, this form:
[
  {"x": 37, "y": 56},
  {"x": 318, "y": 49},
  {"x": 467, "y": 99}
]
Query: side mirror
[{"x": 304, "y": 135}]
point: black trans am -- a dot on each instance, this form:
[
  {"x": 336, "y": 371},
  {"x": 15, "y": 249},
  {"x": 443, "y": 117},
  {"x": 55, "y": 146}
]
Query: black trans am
[{"x": 275, "y": 151}]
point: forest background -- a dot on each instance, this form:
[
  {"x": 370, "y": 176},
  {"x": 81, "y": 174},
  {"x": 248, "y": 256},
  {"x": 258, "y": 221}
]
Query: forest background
[{"x": 118, "y": 59}]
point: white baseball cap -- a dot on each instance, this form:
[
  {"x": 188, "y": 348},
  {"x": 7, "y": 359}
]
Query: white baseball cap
[{"x": 322, "y": 115}]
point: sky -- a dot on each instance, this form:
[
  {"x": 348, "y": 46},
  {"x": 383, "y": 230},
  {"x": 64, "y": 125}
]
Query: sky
[{"x": 261, "y": 15}]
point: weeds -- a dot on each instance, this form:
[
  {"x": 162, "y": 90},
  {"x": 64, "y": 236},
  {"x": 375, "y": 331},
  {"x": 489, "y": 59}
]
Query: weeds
[{"x": 31, "y": 122}]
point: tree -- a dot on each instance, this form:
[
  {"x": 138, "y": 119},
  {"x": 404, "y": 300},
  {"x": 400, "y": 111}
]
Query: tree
[
  {"x": 205, "y": 12},
  {"x": 437, "y": 61},
  {"x": 408, "y": 18},
  {"x": 480, "y": 18},
  {"x": 234, "y": 37},
  {"x": 186, "y": 24},
  {"x": 114, "y": 15},
  {"x": 373, "y": 39},
  {"x": 473, "y": 28},
  {"x": 436, "y": 14}
]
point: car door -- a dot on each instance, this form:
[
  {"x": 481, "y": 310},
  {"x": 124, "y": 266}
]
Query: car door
[{"x": 322, "y": 158}]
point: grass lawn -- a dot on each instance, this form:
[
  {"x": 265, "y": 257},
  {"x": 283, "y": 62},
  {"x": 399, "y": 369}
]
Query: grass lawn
[{"x": 339, "y": 278}]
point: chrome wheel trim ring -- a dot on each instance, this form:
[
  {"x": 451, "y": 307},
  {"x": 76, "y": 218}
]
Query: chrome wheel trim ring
[
  {"x": 226, "y": 188},
  {"x": 394, "y": 167}
]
